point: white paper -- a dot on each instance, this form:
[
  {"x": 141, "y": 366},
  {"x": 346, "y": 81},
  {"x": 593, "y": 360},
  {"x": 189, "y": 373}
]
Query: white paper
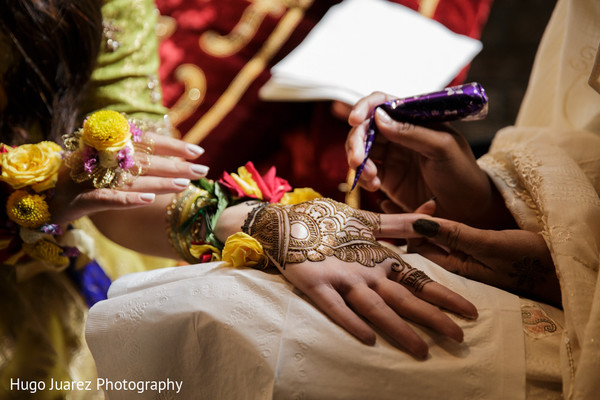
[{"x": 361, "y": 46}]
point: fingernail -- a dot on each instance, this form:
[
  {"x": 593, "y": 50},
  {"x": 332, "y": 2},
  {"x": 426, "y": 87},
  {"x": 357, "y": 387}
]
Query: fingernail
[
  {"x": 382, "y": 116},
  {"x": 199, "y": 169},
  {"x": 194, "y": 148},
  {"x": 148, "y": 197},
  {"x": 183, "y": 182},
  {"x": 426, "y": 227}
]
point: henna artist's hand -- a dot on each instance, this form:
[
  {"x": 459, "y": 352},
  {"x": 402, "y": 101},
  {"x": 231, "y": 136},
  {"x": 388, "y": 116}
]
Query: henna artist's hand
[
  {"x": 169, "y": 171},
  {"x": 328, "y": 251},
  {"x": 413, "y": 163},
  {"x": 516, "y": 260}
]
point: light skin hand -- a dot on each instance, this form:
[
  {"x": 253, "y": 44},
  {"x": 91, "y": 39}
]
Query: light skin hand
[
  {"x": 411, "y": 163},
  {"x": 345, "y": 291},
  {"x": 164, "y": 175},
  {"x": 515, "y": 260}
]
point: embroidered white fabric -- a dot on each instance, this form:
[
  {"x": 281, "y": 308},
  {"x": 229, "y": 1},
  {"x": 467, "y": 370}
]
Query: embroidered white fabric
[{"x": 246, "y": 334}]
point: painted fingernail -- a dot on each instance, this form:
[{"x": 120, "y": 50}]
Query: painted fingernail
[
  {"x": 426, "y": 227},
  {"x": 199, "y": 169},
  {"x": 382, "y": 116},
  {"x": 195, "y": 149},
  {"x": 148, "y": 197},
  {"x": 183, "y": 182}
]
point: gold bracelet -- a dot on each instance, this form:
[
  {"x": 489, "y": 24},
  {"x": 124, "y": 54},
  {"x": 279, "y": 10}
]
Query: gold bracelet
[{"x": 184, "y": 205}]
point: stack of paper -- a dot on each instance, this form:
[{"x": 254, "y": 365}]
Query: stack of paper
[{"x": 361, "y": 46}]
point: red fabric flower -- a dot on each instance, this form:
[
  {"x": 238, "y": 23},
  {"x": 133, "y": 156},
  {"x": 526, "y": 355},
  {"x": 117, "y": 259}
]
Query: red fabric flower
[{"x": 271, "y": 187}]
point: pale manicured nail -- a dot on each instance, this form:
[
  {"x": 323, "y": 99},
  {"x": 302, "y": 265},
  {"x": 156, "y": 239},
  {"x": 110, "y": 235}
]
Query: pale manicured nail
[
  {"x": 183, "y": 182},
  {"x": 194, "y": 148},
  {"x": 199, "y": 169},
  {"x": 382, "y": 116},
  {"x": 148, "y": 197}
]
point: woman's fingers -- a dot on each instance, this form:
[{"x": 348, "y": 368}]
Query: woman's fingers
[
  {"x": 328, "y": 300},
  {"x": 445, "y": 298},
  {"x": 355, "y": 144},
  {"x": 158, "y": 185},
  {"x": 97, "y": 200},
  {"x": 370, "y": 305},
  {"x": 407, "y": 305},
  {"x": 168, "y": 146},
  {"x": 399, "y": 226},
  {"x": 363, "y": 108},
  {"x": 171, "y": 167},
  {"x": 431, "y": 143}
]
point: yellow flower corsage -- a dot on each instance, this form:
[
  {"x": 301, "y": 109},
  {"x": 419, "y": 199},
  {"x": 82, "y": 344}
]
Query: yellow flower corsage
[{"x": 109, "y": 150}]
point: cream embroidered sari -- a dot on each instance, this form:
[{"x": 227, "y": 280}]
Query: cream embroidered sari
[{"x": 547, "y": 167}]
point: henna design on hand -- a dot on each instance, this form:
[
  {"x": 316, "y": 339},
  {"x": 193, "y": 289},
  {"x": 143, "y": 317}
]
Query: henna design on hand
[
  {"x": 528, "y": 272},
  {"x": 322, "y": 228},
  {"x": 410, "y": 276}
]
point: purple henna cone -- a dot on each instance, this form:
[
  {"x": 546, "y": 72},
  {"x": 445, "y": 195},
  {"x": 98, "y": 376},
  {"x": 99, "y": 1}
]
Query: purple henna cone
[{"x": 466, "y": 102}]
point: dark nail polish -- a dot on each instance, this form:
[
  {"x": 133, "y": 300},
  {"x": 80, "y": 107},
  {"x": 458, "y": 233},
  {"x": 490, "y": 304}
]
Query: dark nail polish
[{"x": 426, "y": 227}]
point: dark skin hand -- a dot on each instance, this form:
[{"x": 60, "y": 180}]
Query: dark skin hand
[
  {"x": 412, "y": 163},
  {"x": 515, "y": 260}
]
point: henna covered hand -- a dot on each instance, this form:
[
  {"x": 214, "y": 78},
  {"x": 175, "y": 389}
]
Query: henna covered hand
[{"x": 329, "y": 251}]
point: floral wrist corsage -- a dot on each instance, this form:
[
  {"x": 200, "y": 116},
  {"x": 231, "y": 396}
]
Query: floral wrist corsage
[
  {"x": 109, "y": 150},
  {"x": 31, "y": 171},
  {"x": 199, "y": 208}
]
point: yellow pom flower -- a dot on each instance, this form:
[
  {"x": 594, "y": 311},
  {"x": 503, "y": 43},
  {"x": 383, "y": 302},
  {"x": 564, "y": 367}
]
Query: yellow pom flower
[
  {"x": 299, "y": 195},
  {"x": 106, "y": 130},
  {"x": 34, "y": 165},
  {"x": 27, "y": 210},
  {"x": 46, "y": 250},
  {"x": 242, "y": 250}
]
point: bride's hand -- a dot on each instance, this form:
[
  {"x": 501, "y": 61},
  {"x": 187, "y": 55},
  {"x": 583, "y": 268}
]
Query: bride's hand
[
  {"x": 169, "y": 171},
  {"x": 329, "y": 252}
]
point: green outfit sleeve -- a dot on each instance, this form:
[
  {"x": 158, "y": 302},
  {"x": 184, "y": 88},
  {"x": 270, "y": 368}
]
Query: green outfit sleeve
[{"x": 125, "y": 79}]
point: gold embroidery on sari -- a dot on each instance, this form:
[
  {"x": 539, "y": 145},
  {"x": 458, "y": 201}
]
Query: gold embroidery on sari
[
  {"x": 165, "y": 27},
  {"x": 248, "y": 74},
  {"x": 217, "y": 45},
  {"x": 195, "y": 89},
  {"x": 537, "y": 323}
]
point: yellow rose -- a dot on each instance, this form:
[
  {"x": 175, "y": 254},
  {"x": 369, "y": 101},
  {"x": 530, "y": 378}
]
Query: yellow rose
[
  {"x": 106, "y": 130},
  {"x": 242, "y": 250},
  {"x": 34, "y": 165},
  {"x": 300, "y": 195}
]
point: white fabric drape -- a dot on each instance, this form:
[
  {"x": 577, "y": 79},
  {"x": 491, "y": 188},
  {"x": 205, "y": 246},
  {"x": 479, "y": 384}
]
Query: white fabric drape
[
  {"x": 547, "y": 167},
  {"x": 246, "y": 334}
]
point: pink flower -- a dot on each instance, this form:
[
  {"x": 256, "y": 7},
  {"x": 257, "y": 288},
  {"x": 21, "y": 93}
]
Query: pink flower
[
  {"x": 249, "y": 183},
  {"x": 125, "y": 158},
  {"x": 89, "y": 156},
  {"x": 135, "y": 132}
]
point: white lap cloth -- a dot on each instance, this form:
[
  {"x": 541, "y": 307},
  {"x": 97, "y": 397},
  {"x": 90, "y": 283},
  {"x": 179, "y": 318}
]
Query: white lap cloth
[{"x": 247, "y": 334}]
